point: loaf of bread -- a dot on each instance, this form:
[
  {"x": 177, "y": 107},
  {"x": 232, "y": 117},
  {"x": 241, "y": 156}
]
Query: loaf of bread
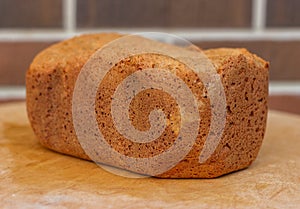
[{"x": 51, "y": 83}]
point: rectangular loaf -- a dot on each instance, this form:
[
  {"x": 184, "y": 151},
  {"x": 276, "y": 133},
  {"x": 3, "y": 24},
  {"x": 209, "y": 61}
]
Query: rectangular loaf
[{"x": 51, "y": 79}]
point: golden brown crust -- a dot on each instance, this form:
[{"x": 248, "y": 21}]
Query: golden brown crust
[{"x": 51, "y": 78}]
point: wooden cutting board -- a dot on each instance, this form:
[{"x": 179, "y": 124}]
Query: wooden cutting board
[{"x": 33, "y": 177}]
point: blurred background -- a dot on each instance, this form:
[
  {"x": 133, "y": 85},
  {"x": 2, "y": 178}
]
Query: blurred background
[{"x": 269, "y": 28}]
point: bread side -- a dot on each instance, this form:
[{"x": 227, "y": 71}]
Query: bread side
[
  {"x": 50, "y": 81},
  {"x": 51, "y": 78},
  {"x": 245, "y": 80}
]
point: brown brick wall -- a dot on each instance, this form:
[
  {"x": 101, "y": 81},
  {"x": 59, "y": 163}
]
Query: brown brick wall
[
  {"x": 15, "y": 58},
  {"x": 283, "y": 13},
  {"x": 30, "y": 13},
  {"x": 164, "y": 13}
]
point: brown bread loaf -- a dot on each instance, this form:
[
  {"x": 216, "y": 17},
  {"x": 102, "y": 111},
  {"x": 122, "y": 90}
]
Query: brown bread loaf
[{"x": 51, "y": 79}]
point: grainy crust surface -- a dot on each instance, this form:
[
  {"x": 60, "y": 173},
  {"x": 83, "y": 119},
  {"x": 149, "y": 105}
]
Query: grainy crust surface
[{"x": 50, "y": 83}]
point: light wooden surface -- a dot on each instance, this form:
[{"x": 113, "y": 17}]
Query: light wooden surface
[{"x": 34, "y": 177}]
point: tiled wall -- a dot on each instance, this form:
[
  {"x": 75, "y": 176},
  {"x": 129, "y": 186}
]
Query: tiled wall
[{"x": 270, "y": 28}]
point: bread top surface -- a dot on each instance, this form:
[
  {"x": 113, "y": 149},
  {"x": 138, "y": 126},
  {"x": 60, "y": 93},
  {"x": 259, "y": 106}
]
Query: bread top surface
[
  {"x": 74, "y": 50},
  {"x": 80, "y": 48}
]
